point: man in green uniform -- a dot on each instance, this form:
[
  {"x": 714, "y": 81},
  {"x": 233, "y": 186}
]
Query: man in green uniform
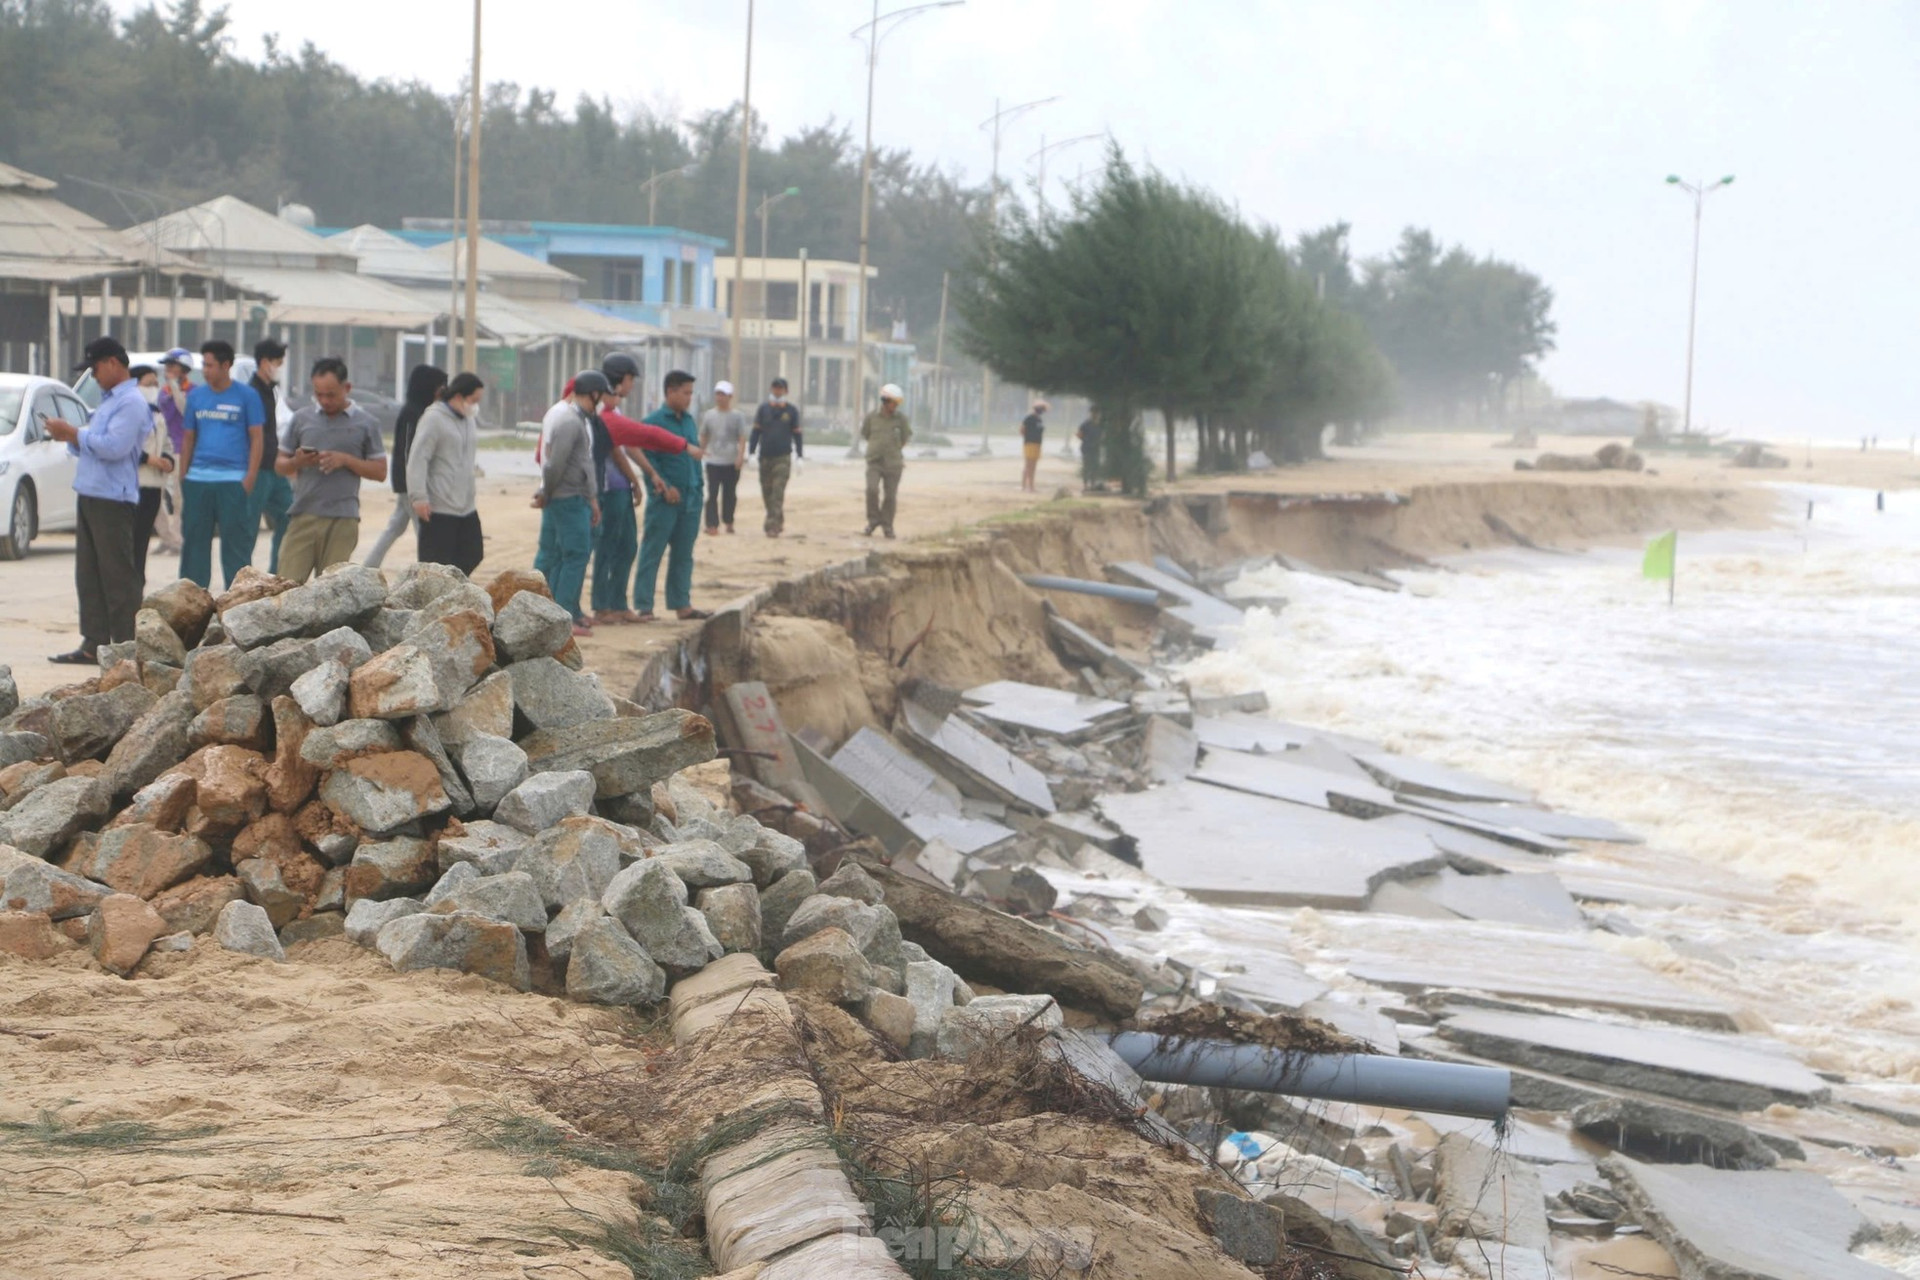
[
  {"x": 886, "y": 432},
  {"x": 673, "y": 517}
]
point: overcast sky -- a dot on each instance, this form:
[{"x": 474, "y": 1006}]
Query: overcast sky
[{"x": 1537, "y": 130}]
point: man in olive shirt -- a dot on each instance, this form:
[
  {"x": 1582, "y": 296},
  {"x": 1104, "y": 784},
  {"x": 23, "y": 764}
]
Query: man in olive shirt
[
  {"x": 886, "y": 432},
  {"x": 327, "y": 450}
]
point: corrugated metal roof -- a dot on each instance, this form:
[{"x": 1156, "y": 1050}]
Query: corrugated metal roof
[
  {"x": 497, "y": 259},
  {"x": 228, "y": 225},
  {"x": 335, "y": 297},
  {"x": 521, "y": 322},
  {"x": 46, "y": 240},
  {"x": 387, "y": 256},
  {"x": 11, "y": 177}
]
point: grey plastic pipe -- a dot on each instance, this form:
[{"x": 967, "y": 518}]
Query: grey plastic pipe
[
  {"x": 1111, "y": 590},
  {"x": 1369, "y": 1079}
]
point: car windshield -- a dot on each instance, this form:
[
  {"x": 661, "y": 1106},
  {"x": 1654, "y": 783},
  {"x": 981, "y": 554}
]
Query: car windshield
[{"x": 11, "y": 398}]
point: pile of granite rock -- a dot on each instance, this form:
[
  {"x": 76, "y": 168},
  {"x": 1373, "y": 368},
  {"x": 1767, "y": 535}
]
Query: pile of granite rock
[{"x": 421, "y": 764}]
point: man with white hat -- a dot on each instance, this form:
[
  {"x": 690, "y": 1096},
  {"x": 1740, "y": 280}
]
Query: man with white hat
[
  {"x": 723, "y": 434},
  {"x": 886, "y": 432}
]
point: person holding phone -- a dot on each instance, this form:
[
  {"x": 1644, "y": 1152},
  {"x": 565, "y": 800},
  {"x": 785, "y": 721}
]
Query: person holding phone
[{"x": 327, "y": 450}]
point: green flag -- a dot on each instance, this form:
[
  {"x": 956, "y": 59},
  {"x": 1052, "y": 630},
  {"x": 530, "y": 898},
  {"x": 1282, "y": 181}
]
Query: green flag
[{"x": 1659, "y": 561}]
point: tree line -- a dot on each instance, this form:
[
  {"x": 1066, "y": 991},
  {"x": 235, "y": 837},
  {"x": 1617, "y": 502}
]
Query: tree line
[{"x": 1141, "y": 293}]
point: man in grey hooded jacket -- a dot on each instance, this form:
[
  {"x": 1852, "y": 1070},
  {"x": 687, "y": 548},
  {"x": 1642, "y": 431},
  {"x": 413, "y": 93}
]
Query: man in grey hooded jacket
[{"x": 440, "y": 478}]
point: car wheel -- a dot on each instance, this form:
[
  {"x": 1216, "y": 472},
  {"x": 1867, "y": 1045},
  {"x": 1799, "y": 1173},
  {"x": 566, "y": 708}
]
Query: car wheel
[{"x": 21, "y": 528}]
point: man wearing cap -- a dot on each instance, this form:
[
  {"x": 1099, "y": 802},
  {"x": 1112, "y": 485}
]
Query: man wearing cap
[
  {"x": 220, "y": 464},
  {"x": 723, "y": 434},
  {"x": 107, "y": 480},
  {"x": 569, "y": 494},
  {"x": 776, "y": 435},
  {"x": 886, "y": 431},
  {"x": 673, "y": 514},
  {"x": 616, "y": 539},
  {"x": 272, "y": 494}
]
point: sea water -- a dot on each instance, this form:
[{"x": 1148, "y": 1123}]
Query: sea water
[{"x": 1768, "y": 721}]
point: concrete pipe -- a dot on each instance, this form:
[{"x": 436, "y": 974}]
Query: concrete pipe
[
  {"x": 1368, "y": 1079},
  {"x": 1110, "y": 590}
]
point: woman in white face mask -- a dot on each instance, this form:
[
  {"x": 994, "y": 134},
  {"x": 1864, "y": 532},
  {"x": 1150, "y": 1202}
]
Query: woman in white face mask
[{"x": 156, "y": 464}]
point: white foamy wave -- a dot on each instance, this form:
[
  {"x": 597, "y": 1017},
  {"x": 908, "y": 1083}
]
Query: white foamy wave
[{"x": 1767, "y": 721}]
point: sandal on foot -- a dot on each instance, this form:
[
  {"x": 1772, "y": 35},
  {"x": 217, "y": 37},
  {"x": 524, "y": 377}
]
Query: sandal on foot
[
  {"x": 78, "y": 658},
  {"x": 693, "y": 615}
]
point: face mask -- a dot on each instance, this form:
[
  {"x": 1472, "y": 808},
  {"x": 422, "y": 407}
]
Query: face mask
[
  {"x": 150, "y": 394},
  {"x": 778, "y": 397}
]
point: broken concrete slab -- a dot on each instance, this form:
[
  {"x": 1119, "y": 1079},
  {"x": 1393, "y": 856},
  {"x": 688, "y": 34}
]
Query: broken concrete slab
[
  {"x": 1208, "y": 620},
  {"x": 1228, "y": 846},
  {"x": 1238, "y": 731},
  {"x": 1415, "y": 777},
  {"x": 1725, "y": 1225},
  {"x": 1486, "y": 1195},
  {"x": 969, "y": 836},
  {"x": 1544, "y": 822},
  {"x": 751, "y": 721},
  {"x": 1077, "y": 644},
  {"x": 1743, "y": 1073},
  {"x": 1530, "y": 898},
  {"x": 1169, "y": 750},
  {"x": 1471, "y": 853},
  {"x": 1079, "y": 828},
  {"x": 1550, "y": 967},
  {"x": 1057, "y": 713},
  {"x": 975, "y": 763},
  {"x": 1280, "y": 778},
  {"x": 897, "y": 780},
  {"x": 1656, "y": 1134},
  {"x": 848, "y": 804}
]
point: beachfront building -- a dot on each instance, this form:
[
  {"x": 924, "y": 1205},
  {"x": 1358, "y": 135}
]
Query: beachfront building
[
  {"x": 803, "y": 315},
  {"x": 66, "y": 277},
  {"x": 658, "y": 281},
  {"x": 317, "y": 300}
]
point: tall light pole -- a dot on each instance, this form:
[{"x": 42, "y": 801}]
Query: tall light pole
[
  {"x": 453, "y": 257},
  {"x": 1699, "y": 191},
  {"x": 470, "y": 340},
  {"x": 651, "y": 187},
  {"x": 1048, "y": 148},
  {"x": 766, "y": 202},
  {"x": 740, "y": 211},
  {"x": 1000, "y": 116},
  {"x": 875, "y": 31}
]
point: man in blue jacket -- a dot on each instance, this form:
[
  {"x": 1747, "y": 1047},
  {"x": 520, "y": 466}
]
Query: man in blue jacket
[
  {"x": 673, "y": 517},
  {"x": 107, "y": 480}
]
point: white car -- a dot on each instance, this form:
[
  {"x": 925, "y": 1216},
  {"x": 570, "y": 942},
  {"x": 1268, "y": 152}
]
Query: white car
[{"x": 36, "y": 471}]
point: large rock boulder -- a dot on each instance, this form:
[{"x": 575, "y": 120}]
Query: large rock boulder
[
  {"x": 271, "y": 670},
  {"x": 322, "y": 692},
  {"x": 194, "y": 906},
  {"x": 244, "y": 927},
  {"x": 469, "y": 943},
  {"x": 143, "y": 860},
  {"x": 486, "y": 708},
  {"x": 398, "y": 868},
  {"x": 511, "y": 896},
  {"x": 733, "y": 915},
  {"x": 155, "y": 641},
  {"x": 398, "y": 683},
  {"x": 120, "y": 930},
  {"x": 383, "y": 793},
  {"x": 28, "y": 884},
  {"x": 606, "y": 966},
  {"x": 827, "y": 964},
  {"x": 332, "y": 746},
  {"x": 340, "y": 597},
  {"x": 548, "y": 696},
  {"x": 493, "y": 768},
  {"x": 214, "y": 672},
  {"x": 86, "y": 726},
  {"x": 53, "y": 814},
  {"x": 290, "y": 778},
  {"x": 651, "y": 903},
  {"x": 576, "y": 858},
  {"x": 702, "y": 864},
  {"x": 367, "y": 917},
  {"x": 624, "y": 755},
  {"x": 531, "y": 626},
  {"x": 153, "y": 744},
  {"x": 419, "y": 735},
  {"x": 229, "y": 790},
  {"x": 434, "y": 590},
  {"x": 779, "y": 901},
  {"x": 240, "y": 721},
  {"x": 20, "y": 745},
  {"x": 492, "y": 847},
  {"x": 461, "y": 644},
  {"x": 544, "y": 800},
  {"x": 185, "y": 606}
]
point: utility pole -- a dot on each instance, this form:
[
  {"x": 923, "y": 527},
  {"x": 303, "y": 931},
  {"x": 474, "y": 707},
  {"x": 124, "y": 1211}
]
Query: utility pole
[
  {"x": 874, "y": 34},
  {"x": 740, "y": 213},
  {"x": 800, "y": 401},
  {"x": 940, "y": 353},
  {"x": 1699, "y": 194},
  {"x": 1048, "y": 148},
  {"x": 453, "y": 241},
  {"x": 766, "y": 205},
  {"x": 470, "y": 354},
  {"x": 999, "y": 115}
]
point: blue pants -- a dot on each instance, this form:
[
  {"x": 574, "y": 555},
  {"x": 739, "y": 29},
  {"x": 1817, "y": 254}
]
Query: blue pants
[
  {"x": 670, "y": 530},
  {"x": 615, "y": 543},
  {"x": 566, "y": 540},
  {"x": 205, "y": 506},
  {"x": 272, "y": 495}
]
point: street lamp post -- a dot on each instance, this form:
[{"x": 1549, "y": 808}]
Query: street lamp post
[
  {"x": 1047, "y": 148},
  {"x": 740, "y": 210},
  {"x": 766, "y": 203},
  {"x": 651, "y": 188},
  {"x": 874, "y": 34},
  {"x": 1699, "y": 191},
  {"x": 1000, "y": 115},
  {"x": 470, "y": 337}
]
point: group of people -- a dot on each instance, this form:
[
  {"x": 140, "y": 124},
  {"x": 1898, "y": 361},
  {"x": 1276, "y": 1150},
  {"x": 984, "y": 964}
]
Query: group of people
[
  {"x": 219, "y": 457},
  {"x": 1033, "y": 430},
  {"x": 193, "y": 463}
]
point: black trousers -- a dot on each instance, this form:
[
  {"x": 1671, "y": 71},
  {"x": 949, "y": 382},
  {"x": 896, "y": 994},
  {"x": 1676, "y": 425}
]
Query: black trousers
[
  {"x": 454, "y": 540},
  {"x": 723, "y": 494},
  {"x": 104, "y": 575},
  {"x": 143, "y": 524}
]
